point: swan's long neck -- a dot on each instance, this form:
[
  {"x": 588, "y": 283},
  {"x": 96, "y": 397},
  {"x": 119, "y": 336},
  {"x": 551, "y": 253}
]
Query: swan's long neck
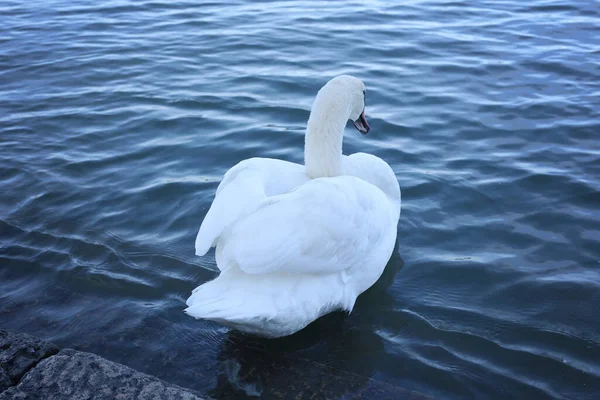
[{"x": 325, "y": 134}]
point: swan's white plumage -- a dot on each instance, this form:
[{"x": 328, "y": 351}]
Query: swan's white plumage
[
  {"x": 240, "y": 192},
  {"x": 292, "y": 245},
  {"x": 307, "y": 230}
]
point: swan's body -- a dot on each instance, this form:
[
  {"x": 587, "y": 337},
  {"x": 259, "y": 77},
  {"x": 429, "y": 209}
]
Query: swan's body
[{"x": 295, "y": 242}]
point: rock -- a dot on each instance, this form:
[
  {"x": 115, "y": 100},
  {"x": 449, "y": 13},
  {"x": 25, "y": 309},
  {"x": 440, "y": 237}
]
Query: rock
[
  {"x": 77, "y": 375},
  {"x": 18, "y": 354},
  {"x": 31, "y": 369}
]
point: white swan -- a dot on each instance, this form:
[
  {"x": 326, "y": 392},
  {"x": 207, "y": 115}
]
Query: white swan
[{"x": 295, "y": 242}]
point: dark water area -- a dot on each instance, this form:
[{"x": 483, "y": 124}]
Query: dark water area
[{"x": 118, "y": 119}]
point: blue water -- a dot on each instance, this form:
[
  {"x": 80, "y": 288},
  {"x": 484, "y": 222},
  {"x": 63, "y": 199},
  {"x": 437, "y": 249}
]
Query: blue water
[{"x": 118, "y": 119}]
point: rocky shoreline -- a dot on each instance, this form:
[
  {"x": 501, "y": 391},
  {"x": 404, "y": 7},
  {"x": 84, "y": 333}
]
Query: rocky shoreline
[{"x": 32, "y": 369}]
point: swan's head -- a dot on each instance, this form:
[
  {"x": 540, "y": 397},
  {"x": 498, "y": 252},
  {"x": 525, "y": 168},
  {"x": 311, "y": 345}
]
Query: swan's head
[{"x": 347, "y": 93}]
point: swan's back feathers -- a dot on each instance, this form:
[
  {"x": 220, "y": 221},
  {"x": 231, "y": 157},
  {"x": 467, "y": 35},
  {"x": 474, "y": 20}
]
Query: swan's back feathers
[{"x": 325, "y": 226}]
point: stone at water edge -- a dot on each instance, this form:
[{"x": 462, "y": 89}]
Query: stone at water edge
[{"x": 20, "y": 352}]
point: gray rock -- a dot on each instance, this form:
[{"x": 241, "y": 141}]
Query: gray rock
[
  {"x": 18, "y": 354},
  {"x": 76, "y": 375}
]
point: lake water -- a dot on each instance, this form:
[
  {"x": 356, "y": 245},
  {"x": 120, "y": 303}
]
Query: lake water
[{"x": 118, "y": 119}]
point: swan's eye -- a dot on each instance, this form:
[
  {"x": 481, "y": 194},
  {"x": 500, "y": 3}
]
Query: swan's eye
[{"x": 365, "y": 96}]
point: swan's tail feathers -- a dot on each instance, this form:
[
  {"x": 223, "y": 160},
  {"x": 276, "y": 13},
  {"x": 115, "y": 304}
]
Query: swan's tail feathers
[
  {"x": 222, "y": 301},
  {"x": 270, "y": 305}
]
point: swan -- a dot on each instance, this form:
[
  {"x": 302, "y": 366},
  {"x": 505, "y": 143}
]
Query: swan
[{"x": 294, "y": 242}]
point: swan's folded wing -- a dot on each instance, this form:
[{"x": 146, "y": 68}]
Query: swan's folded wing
[
  {"x": 326, "y": 225},
  {"x": 243, "y": 181}
]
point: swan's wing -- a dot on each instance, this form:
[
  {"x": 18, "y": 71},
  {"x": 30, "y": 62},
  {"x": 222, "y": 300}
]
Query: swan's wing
[
  {"x": 324, "y": 226},
  {"x": 240, "y": 191}
]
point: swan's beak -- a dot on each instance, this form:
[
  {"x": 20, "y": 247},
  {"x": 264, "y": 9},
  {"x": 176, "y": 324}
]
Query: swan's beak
[{"x": 361, "y": 124}]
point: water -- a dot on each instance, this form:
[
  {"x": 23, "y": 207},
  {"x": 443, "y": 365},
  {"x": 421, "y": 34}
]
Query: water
[{"x": 118, "y": 119}]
